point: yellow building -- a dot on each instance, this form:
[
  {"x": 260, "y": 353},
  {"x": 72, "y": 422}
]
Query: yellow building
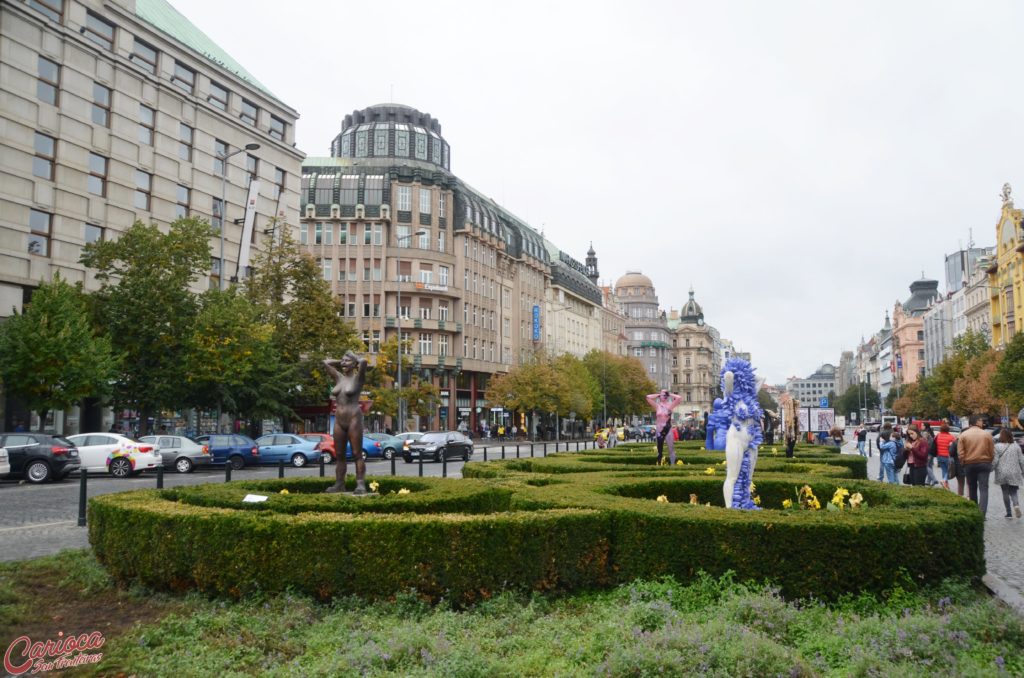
[{"x": 1006, "y": 274}]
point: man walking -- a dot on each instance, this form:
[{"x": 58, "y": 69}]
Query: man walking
[
  {"x": 862, "y": 441},
  {"x": 977, "y": 449}
]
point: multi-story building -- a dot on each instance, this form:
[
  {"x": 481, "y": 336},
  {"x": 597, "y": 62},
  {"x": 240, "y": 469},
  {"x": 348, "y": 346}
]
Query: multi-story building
[
  {"x": 810, "y": 390},
  {"x": 613, "y": 324},
  {"x": 908, "y": 330},
  {"x": 939, "y": 331},
  {"x": 120, "y": 111},
  {"x": 411, "y": 248},
  {"x": 1006, "y": 274},
  {"x": 976, "y": 299},
  {"x": 695, "y": 364},
  {"x": 572, "y": 305},
  {"x": 846, "y": 374},
  {"x": 646, "y": 326}
]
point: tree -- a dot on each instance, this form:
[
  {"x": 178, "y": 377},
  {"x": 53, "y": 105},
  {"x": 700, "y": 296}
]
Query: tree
[
  {"x": 1008, "y": 380},
  {"x": 50, "y": 355},
  {"x": 904, "y": 404},
  {"x": 146, "y": 306},
  {"x": 853, "y": 399},
  {"x": 581, "y": 389},
  {"x": 765, "y": 400},
  {"x": 974, "y": 392},
  {"x": 621, "y": 383},
  {"x": 534, "y": 386}
]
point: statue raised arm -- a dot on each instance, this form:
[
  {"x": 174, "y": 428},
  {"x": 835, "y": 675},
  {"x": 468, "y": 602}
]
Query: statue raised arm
[{"x": 349, "y": 376}]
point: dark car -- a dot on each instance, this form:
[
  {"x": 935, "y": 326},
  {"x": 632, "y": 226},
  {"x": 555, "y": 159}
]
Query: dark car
[
  {"x": 390, "y": 446},
  {"x": 439, "y": 445},
  {"x": 230, "y": 448},
  {"x": 39, "y": 457}
]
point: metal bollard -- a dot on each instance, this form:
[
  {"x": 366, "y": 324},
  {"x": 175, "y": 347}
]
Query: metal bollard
[
  {"x": 280, "y": 468},
  {"x": 444, "y": 464},
  {"x": 502, "y": 451},
  {"x": 517, "y": 450},
  {"x": 485, "y": 454},
  {"x": 577, "y": 446},
  {"x": 160, "y": 477},
  {"x": 421, "y": 463},
  {"x": 82, "y": 496},
  {"x": 321, "y": 465},
  {"x": 545, "y": 449},
  {"x": 227, "y": 472},
  {"x": 392, "y": 464},
  {"x": 531, "y": 450}
]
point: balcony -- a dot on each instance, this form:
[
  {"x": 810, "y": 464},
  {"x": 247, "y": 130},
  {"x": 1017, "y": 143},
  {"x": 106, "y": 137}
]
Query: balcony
[
  {"x": 390, "y": 322},
  {"x": 654, "y": 344}
]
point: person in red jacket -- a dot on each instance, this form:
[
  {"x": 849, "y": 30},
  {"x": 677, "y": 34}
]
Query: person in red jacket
[
  {"x": 917, "y": 455},
  {"x": 943, "y": 439}
]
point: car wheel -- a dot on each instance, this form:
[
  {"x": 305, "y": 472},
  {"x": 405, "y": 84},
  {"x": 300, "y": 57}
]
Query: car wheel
[
  {"x": 298, "y": 460},
  {"x": 120, "y": 468},
  {"x": 183, "y": 465},
  {"x": 465, "y": 455},
  {"x": 437, "y": 455},
  {"x": 38, "y": 472},
  {"x": 389, "y": 453},
  {"x": 408, "y": 459},
  {"x": 328, "y": 457},
  {"x": 237, "y": 463}
]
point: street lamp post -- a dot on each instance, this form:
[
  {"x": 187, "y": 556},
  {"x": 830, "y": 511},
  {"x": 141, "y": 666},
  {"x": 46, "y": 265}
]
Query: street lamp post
[
  {"x": 398, "y": 324},
  {"x": 223, "y": 202}
]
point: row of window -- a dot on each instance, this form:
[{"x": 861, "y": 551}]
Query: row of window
[
  {"x": 40, "y": 226},
  {"x": 145, "y": 56}
]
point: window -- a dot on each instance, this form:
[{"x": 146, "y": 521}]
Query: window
[
  {"x": 143, "y": 186},
  {"x": 249, "y": 112},
  {"x": 324, "y": 194},
  {"x": 425, "y": 239},
  {"x": 100, "y": 104},
  {"x": 97, "y": 180},
  {"x": 218, "y": 96},
  {"x": 185, "y": 137},
  {"x": 327, "y": 270},
  {"x": 920, "y": 353},
  {"x": 425, "y": 195},
  {"x": 328, "y": 234},
  {"x": 425, "y": 309},
  {"x": 920, "y": 335},
  {"x": 252, "y": 166},
  {"x": 349, "y": 189},
  {"x": 214, "y": 267},
  {"x": 147, "y": 121},
  {"x": 144, "y": 56},
  {"x": 442, "y": 205},
  {"x": 39, "y": 237},
  {"x": 277, "y": 128},
  {"x": 352, "y": 270},
  {"x": 373, "y": 192},
  {"x": 425, "y": 343},
  {"x": 99, "y": 31},
  {"x": 442, "y": 345},
  {"x": 442, "y": 275},
  {"x": 441, "y": 241},
  {"x": 318, "y": 237},
  {"x": 421, "y": 146},
  {"x": 426, "y": 273},
  {"x": 402, "y": 235},
  {"x": 442, "y": 310},
  {"x": 380, "y": 141},
  {"x": 404, "y": 271},
  {"x": 49, "y": 81},
  {"x": 303, "y": 234},
  {"x": 51, "y": 9},
  {"x": 218, "y": 214},
  {"x": 42, "y": 163},
  {"x": 220, "y": 150},
  {"x": 278, "y": 186},
  {"x": 93, "y": 233},
  {"x": 184, "y": 199},
  {"x": 184, "y": 77},
  {"x": 465, "y": 347},
  {"x": 403, "y": 311},
  {"x": 404, "y": 198},
  {"x": 401, "y": 141}
]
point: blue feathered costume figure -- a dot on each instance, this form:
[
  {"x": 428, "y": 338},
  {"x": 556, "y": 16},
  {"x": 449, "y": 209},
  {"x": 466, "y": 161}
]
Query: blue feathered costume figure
[{"x": 740, "y": 416}]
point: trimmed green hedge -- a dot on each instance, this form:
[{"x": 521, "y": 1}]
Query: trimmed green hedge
[{"x": 562, "y": 523}]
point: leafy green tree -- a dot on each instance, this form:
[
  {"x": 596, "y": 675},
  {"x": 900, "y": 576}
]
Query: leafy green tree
[
  {"x": 146, "y": 306},
  {"x": 853, "y": 399},
  {"x": 620, "y": 379},
  {"x": 581, "y": 389},
  {"x": 534, "y": 386},
  {"x": 50, "y": 355},
  {"x": 1008, "y": 381},
  {"x": 765, "y": 400},
  {"x": 974, "y": 392}
]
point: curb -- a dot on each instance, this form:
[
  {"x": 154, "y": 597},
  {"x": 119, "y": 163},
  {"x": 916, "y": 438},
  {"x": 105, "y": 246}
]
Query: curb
[{"x": 1004, "y": 592}]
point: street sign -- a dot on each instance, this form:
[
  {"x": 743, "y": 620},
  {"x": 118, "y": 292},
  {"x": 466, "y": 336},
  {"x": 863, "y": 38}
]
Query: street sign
[{"x": 823, "y": 402}]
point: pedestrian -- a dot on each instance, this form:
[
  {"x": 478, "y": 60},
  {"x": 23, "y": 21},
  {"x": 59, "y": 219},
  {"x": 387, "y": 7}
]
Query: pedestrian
[
  {"x": 862, "y": 441},
  {"x": 956, "y": 469},
  {"x": 977, "y": 449},
  {"x": 943, "y": 440},
  {"x": 836, "y": 434},
  {"x": 790, "y": 444},
  {"x": 890, "y": 435},
  {"x": 929, "y": 437},
  {"x": 917, "y": 455},
  {"x": 887, "y": 456},
  {"x": 1009, "y": 470}
]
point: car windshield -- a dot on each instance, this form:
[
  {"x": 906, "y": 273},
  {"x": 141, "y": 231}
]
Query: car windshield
[{"x": 63, "y": 441}]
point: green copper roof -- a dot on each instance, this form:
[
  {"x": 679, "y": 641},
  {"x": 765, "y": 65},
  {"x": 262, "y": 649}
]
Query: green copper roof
[{"x": 165, "y": 18}]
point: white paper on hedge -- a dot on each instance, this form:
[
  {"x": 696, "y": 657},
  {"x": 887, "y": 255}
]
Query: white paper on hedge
[{"x": 254, "y": 498}]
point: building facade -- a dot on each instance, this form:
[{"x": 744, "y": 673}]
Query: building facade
[
  {"x": 908, "y": 352},
  {"x": 695, "y": 363},
  {"x": 810, "y": 390},
  {"x": 647, "y": 333},
  {"x": 1006, "y": 274},
  {"x": 120, "y": 111}
]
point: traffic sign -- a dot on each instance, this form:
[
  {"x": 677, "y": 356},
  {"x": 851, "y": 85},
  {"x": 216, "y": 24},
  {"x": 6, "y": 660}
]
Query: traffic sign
[{"x": 823, "y": 402}]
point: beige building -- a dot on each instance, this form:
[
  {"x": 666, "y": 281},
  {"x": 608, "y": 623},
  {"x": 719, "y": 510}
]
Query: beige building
[{"x": 695, "y": 364}]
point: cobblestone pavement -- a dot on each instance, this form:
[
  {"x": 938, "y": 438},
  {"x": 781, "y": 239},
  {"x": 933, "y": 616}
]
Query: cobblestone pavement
[{"x": 1004, "y": 537}]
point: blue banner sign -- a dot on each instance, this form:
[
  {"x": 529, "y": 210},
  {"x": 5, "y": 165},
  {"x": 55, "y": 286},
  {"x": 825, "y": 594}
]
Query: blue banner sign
[{"x": 536, "y": 323}]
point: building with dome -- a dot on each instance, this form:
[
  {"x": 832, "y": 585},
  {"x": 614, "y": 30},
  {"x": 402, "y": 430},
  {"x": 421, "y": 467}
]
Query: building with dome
[
  {"x": 696, "y": 359},
  {"x": 646, "y": 326}
]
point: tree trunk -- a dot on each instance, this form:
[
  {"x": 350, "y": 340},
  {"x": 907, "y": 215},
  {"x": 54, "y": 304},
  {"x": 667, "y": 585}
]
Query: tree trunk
[{"x": 42, "y": 420}]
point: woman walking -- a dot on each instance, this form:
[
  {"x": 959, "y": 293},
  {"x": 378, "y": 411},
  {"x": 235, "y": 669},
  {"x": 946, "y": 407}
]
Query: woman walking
[
  {"x": 943, "y": 440},
  {"x": 917, "y": 458},
  {"x": 1009, "y": 468}
]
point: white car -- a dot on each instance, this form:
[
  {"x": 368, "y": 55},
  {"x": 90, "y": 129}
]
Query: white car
[
  {"x": 5, "y": 462},
  {"x": 114, "y": 453}
]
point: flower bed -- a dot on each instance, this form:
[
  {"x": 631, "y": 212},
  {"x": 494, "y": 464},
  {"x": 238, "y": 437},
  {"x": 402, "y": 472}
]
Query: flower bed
[{"x": 561, "y": 523}]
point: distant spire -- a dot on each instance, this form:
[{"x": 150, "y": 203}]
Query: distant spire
[{"x": 592, "y": 272}]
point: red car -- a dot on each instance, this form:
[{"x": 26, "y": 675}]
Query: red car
[{"x": 326, "y": 444}]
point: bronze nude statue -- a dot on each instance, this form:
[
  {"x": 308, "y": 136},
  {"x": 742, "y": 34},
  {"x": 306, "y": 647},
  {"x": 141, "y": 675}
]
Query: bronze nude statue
[{"x": 350, "y": 375}]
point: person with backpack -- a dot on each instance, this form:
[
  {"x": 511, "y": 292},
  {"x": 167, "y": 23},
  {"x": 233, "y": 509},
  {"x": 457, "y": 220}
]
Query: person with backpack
[
  {"x": 956, "y": 469},
  {"x": 1009, "y": 469},
  {"x": 887, "y": 456},
  {"x": 887, "y": 430},
  {"x": 917, "y": 458}
]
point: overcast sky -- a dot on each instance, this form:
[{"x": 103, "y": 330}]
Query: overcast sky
[{"x": 798, "y": 163}]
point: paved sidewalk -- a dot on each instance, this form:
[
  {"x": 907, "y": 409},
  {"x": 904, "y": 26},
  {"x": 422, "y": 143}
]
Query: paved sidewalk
[{"x": 1004, "y": 537}]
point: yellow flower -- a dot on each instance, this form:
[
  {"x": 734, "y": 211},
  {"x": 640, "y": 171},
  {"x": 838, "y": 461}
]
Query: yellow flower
[
  {"x": 753, "y": 487},
  {"x": 693, "y": 499},
  {"x": 662, "y": 499},
  {"x": 814, "y": 503},
  {"x": 284, "y": 492},
  {"x": 403, "y": 491},
  {"x": 757, "y": 501},
  {"x": 374, "y": 486},
  {"x": 702, "y": 449},
  {"x": 775, "y": 450},
  {"x": 710, "y": 470},
  {"x": 787, "y": 503},
  {"x": 722, "y": 463},
  {"x": 856, "y": 500},
  {"x": 679, "y": 462}
]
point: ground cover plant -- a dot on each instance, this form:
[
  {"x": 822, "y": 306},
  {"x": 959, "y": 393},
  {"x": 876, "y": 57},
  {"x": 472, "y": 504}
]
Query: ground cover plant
[
  {"x": 567, "y": 522},
  {"x": 712, "y": 626}
]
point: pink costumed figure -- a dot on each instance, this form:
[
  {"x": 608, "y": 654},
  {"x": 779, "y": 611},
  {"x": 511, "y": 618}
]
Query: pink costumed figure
[{"x": 663, "y": 404}]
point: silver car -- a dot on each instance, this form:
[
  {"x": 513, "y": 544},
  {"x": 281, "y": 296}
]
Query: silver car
[{"x": 180, "y": 453}]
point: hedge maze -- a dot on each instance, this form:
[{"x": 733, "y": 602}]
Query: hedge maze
[{"x": 562, "y": 523}]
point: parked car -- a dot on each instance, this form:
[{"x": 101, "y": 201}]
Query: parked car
[
  {"x": 39, "y": 457},
  {"x": 288, "y": 447},
  {"x": 409, "y": 435},
  {"x": 390, "y": 446},
  {"x": 115, "y": 454},
  {"x": 5, "y": 462},
  {"x": 326, "y": 444},
  {"x": 439, "y": 445},
  {"x": 231, "y": 448},
  {"x": 180, "y": 453}
]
